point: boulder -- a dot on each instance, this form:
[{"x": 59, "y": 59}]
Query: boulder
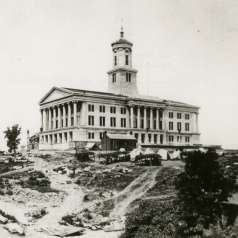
[
  {"x": 15, "y": 228},
  {"x": 3, "y": 219}
]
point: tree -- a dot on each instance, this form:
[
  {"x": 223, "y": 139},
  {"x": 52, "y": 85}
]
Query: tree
[
  {"x": 12, "y": 136},
  {"x": 202, "y": 188}
]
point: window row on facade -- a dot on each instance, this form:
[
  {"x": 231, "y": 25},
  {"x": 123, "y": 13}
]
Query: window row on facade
[
  {"x": 179, "y": 115},
  {"x": 179, "y": 126}
]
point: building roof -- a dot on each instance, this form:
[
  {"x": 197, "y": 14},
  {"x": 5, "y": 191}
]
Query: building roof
[
  {"x": 120, "y": 136},
  {"x": 136, "y": 97}
]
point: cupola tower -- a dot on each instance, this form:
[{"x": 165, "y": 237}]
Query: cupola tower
[{"x": 122, "y": 77}]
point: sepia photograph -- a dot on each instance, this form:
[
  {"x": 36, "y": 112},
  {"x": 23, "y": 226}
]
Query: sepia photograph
[{"x": 118, "y": 118}]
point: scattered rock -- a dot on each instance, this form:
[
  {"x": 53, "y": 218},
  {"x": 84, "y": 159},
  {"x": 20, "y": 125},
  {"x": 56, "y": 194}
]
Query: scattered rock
[
  {"x": 115, "y": 226},
  {"x": 3, "y": 219},
  {"x": 15, "y": 228}
]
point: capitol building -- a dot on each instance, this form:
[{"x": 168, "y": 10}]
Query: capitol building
[{"x": 70, "y": 116}]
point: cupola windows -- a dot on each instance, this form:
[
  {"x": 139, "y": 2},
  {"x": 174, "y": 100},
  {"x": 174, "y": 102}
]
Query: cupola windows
[
  {"x": 127, "y": 60},
  {"x": 128, "y": 77},
  {"x": 115, "y": 60},
  {"x": 114, "y": 79}
]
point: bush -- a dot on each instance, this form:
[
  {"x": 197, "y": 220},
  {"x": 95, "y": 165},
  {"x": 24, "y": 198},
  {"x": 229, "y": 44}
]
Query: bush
[
  {"x": 202, "y": 188},
  {"x": 152, "y": 219}
]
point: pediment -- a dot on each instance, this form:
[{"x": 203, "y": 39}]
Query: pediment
[{"x": 55, "y": 94}]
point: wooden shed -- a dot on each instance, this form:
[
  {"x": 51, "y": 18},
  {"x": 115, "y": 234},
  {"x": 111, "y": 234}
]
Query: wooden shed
[{"x": 118, "y": 141}]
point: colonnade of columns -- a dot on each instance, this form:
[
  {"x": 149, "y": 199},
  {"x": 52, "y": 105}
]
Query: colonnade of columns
[
  {"x": 146, "y": 118},
  {"x": 59, "y": 116}
]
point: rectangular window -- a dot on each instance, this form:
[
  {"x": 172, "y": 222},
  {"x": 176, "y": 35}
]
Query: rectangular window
[
  {"x": 143, "y": 138},
  {"x": 187, "y": 116},
  {"x": 187, "y": 139},
  {"x": 113, "y": 122},
  {"x": 113, "y": 109},
  {"x": 90, "y": 135},
  {"x": 123, "y": 110},
  {"x": 149, "y": 138},
  {"x": 114, "y": 79},
  {"x": 91, "y": 120},
  {"x": 127, "y": 60},
  {"x": 123, "y": 122},
  {"x": 179, "y": 115},
  {"x": 128, "y": 77},
  {"x": 155, "y": 138},
  {"x": 101, "y": 135},
  {"x": 161, "y": 138},
  {"x": 171, "y": 138},
  {"x": 102, "y": 108},
  {"x": 115, "y": 60},
  {"x": 186, "y": 126},
  {"x": 171, "y": 125},
  {"x": 171, "y": 114},
  {"x": 90, "y": 107},
  {"x": 179, "y": 126},
  {"x": 136, "y": 136},
  {"x": 102, "y": 121}
]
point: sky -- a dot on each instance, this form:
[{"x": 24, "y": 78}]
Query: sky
[{"x": 184, "y": 50}]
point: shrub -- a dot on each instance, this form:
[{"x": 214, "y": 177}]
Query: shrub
[{"x": 151, "y": 219}]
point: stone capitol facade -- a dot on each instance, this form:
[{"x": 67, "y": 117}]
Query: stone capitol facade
[{"x": 70, "y": 116}]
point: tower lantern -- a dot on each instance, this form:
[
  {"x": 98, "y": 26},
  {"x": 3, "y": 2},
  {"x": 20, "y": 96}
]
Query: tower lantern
[{"x": 122, "y": 77}]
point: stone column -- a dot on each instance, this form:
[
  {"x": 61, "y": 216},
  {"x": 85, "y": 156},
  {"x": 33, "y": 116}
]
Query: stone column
[
  {"x": 138, "y": 117},
  {"x": 145, "y": 118},
  {"x": 49, "y": 126},
  {"x": 43, "y": 119},
  {"x": 69, "y": 115},
  {"x": 165, "y": 120},
  {"x": 132, "y": 116},
  {"x": 75, "y": 113},
  {"x": 157, "y": 119},
  {"x": 151, "y": 118},
  {"x": 64, "y": 116},
  {"x": 84, "y": 114},
  {"x": 54, "y": 118},
  {"x": 59, "y": 116},
  {"x": 197, "y": 127}
]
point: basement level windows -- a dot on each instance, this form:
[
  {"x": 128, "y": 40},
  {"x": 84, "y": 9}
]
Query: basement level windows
[{"x": 128, "y": 77}]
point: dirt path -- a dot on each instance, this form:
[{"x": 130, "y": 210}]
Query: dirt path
[
  {"x": 72, "y": 202},
  {"x": 134, "y": 191}
]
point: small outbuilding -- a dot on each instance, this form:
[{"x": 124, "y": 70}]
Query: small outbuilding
[{"x": 111, "y": 141}]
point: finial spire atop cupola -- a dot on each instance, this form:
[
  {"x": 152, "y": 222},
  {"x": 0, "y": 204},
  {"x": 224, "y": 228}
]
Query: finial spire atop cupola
[{"x": 122, "y": 32}]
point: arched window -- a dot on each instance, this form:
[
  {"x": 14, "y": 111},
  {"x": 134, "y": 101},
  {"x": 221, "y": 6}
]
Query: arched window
[{"x": 127, "y": 59}]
